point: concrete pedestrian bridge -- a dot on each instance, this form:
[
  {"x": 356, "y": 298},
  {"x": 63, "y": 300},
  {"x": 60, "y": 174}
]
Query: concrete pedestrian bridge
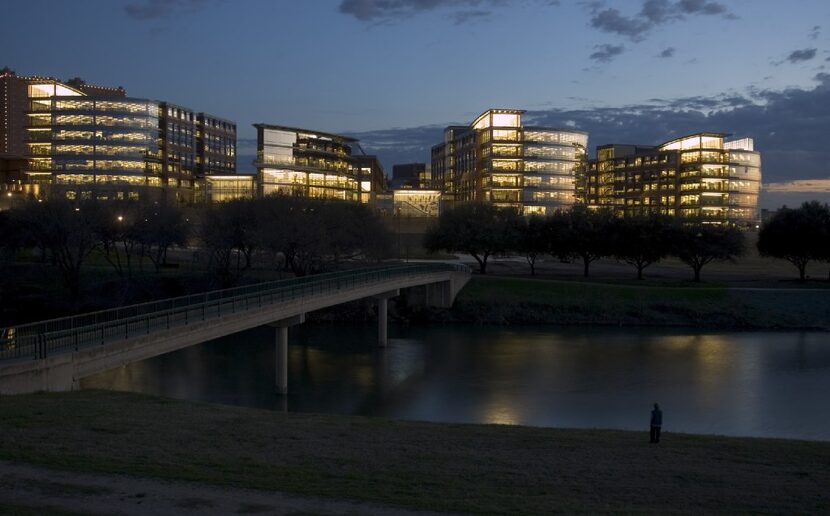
[{"x": 55, "y": 355}]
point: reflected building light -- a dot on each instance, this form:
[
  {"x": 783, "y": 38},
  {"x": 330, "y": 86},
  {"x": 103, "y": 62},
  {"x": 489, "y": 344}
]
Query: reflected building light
[{"x": 501, "y": 411}]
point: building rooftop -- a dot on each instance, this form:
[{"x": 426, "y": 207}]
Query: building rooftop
[
  {"x": 333, "y": 136},
  {"x": 550, "y": 128},
  {"x": 693, "y": 135}
]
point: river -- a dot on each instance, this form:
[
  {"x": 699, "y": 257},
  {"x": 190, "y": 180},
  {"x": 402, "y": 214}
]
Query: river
[{"x": 765, "y": 384}]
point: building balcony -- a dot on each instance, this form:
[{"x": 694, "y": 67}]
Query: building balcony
[{"x": 39, "y": 167}]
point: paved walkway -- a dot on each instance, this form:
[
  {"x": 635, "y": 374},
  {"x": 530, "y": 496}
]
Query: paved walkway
[{"x": 46, "y": 490}]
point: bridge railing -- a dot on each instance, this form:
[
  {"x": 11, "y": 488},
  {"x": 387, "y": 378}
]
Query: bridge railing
[{"x": 47, "y": 338}]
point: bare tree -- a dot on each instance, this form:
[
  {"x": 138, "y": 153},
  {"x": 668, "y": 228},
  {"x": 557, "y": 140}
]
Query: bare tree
[
  {"x": 116, "y": 225},
  {"x": 314, "y": 235},
  {"x": 230, "y": 233},
  {"x": 67, "y": 230},
  {"x": 160, "y": 227}
]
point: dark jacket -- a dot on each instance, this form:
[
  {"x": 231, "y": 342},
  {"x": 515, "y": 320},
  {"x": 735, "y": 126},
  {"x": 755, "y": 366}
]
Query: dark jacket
[{"x": 656, "y": 417}]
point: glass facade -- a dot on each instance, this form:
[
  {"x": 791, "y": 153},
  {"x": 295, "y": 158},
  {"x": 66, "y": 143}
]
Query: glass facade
[
  {"x": 216, "y": 142},
  {"x": 305, "y": 163},
  {"x": 497, "y": 159},
  {"x": 177, "y": 142},
  {"x": 218, "y": 188},
  {"x": 699, "y": 176},
  {"x": 97, "y": 147},
  {"x": 416, "y": 203},
  {"x": 412, "y": 175},
  {"x": 85, "y": 146}
]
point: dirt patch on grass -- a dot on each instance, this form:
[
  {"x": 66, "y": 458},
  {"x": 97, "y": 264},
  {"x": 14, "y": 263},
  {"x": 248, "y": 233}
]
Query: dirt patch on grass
[{"x": 27, "y": 489}]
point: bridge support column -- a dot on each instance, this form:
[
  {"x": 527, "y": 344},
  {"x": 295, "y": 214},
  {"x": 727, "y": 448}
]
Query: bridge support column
[
  {"x": 383, "y": 314},
  {"x": 282, "y": 350}
]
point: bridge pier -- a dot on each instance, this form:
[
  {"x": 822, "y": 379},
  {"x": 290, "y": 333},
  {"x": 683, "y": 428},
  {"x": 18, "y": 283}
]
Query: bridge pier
[
  {"x": 282, "y": 350},
  {"x": 383, "y": 314}
]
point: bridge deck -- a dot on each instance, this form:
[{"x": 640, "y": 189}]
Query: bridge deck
[{"x": 44, "y": 339}]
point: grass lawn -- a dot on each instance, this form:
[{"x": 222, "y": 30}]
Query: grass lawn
[
  {"x": 468, "y": 468},
  {"x": 510, "y": 300}
]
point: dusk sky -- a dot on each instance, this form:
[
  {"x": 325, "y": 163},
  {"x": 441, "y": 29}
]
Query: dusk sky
[{"x": 395, "y": 72}]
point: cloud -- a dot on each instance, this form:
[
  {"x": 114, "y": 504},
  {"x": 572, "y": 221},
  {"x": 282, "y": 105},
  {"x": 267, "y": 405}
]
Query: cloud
[
  {"x": 793, "y": 193},
  {"x": 799, "y": 186},
  {"x": 797, "y": 56},
  {"x": 651, "y": 14},
  {"x": 389, "y": 10},
  {"x": 701, "y": 7},
  {"x": 814, "y": 32},
  {"x": 606, "y": 53},
  {"x": 161, "y": 9},
  {"x": 408, "y": 145},
  {"x": 462, "y": 17},
  {"x": 656, "y": 11},
  {"x": 612, "y": 21},
  {"x": 789, "y": 127},
  {"x": 666, "y": 53}
]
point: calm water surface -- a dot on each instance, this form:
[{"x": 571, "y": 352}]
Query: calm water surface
[{"x": 756, "y": 384}]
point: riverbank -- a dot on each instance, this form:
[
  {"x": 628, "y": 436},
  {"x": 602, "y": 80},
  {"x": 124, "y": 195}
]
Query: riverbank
[
  {"x": 427, "y": 466},
  {"x": 749, "y": 295},
  {"x": 518, "y": 301}
]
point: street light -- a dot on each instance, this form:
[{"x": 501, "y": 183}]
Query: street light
[{"x": 120, "y": 218}]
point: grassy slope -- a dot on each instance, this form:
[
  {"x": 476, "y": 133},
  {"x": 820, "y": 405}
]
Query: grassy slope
[
  {"x": 524, "y": 301},
  {"x": 471, "y": 468}
]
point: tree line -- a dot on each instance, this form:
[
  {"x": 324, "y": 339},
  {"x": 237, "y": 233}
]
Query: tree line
[
  {"x": 301, "y": 235},
  {"x": 483, "y": 230},
  {"x": 304, "y": 236},
  {"x": 799, "y": 235},
  {"x": 308, "y": 236}
]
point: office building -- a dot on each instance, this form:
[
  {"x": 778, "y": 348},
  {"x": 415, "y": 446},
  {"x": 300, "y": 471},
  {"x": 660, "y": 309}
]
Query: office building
[
  {"x": 81, "y": 147},
  {"x": 215, "y": 146},
  {"x": 498, "y": 159},
  {"x": 84, "y": 141},
  {"x": 412, "y": 175},
  {"x": 302, "y": 162},
  {"x": 96, "y": 90},
  {"x": 12, "y": 169},
  {"x": 221, "y": 188},
  {"x": 416, "y": 203},
  {"x": 695, "y": 177},
  {"x": 370, "y": 175}
]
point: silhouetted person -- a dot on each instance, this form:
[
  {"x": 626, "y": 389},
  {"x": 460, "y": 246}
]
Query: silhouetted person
[{"x": 656, "y": 423}]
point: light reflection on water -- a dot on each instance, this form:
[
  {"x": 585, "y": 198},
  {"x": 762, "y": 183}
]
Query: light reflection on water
[{"x": 760, "y": 384}]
